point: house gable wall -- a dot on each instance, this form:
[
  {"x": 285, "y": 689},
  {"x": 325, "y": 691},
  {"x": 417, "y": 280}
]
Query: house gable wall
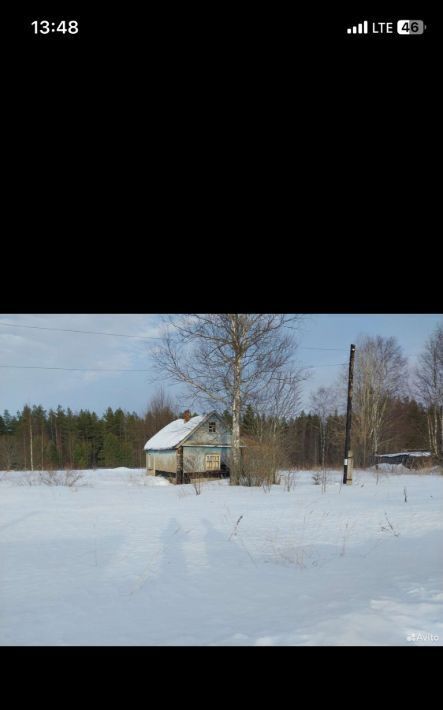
[{"x": 201, "y": 435}]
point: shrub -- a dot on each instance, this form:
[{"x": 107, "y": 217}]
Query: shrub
[
  {"x": 259, "y": 466},
  {"x": 60, "y": 478}
]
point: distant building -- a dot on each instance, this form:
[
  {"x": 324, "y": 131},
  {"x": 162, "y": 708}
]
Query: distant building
[
  {"x": 192, "y": 445},
  {"x": 410, "y": 459}
]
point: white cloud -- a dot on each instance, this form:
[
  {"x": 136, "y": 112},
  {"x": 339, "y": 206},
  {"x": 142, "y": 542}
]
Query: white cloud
[{"x": 33, "y": 347}]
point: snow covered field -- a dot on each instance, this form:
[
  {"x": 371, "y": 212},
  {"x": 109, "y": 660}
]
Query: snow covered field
[{"x": 121, "y": 559}]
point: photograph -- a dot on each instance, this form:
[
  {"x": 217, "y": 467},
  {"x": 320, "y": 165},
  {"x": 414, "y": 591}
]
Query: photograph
[{"x": 221, "y": 479}]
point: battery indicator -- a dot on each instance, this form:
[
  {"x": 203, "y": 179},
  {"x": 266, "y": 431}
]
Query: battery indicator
[{"x": 410, "y": 27}]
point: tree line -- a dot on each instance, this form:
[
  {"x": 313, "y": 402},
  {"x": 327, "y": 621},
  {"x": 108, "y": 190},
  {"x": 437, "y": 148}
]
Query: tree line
[
  {"x": 36, "y": 439},
  {"x": 39, "y": 439}
]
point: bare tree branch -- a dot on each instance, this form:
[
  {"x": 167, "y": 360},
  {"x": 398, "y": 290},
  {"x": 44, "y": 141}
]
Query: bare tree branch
[{"x": 228, "y": 360}]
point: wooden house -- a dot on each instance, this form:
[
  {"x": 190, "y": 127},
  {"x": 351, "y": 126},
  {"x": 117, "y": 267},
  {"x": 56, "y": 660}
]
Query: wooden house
[{"x": 189, "y": 447}]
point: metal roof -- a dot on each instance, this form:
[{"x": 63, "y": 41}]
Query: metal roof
[{"x": 175, "y": 433}]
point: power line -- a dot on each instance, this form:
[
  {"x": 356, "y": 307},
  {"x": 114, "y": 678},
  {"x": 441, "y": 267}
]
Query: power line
[
  {"x": 100, "y": 369},
  {"x": 138, "y": 337},
  {"x": 336, "y": 364},
  {"x": 121, "y": 335},
  {"x": 87, "y": 332},
  {"x": 72, "y": 369},
  {"x": 155, "y": 337}
]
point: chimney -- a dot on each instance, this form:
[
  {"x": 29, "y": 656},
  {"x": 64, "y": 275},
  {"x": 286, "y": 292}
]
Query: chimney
[{"x": 186, "y": 415}]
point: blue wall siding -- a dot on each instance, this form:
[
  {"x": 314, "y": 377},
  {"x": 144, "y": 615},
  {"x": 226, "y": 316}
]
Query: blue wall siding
[
  {"x": 162, "y": 460},
  {"x": 194, "y": 457}
]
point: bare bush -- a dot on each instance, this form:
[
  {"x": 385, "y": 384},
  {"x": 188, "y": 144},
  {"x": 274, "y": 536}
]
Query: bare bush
[
  {"x": 258, "y": 466},
  {"x": 288, "y": 480},
  {"x": 191, "y": 473},
  {"x": 235, "y": 530},
  {"x": 266, "y": 486},
  {"x": 66, "y": 478},
  {"x": 318, "y": 478},
  {"x": 197, "y": 484},
  {"x": 390, "y": 528},
  {"x": 29, "y": 479}
]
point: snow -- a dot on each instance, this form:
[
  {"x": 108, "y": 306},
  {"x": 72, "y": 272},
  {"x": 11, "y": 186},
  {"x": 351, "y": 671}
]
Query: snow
[
  {"x": 127, "y": 559},
  {"x": 172, "y": 434},
  {"x": 408, "y": 453}
]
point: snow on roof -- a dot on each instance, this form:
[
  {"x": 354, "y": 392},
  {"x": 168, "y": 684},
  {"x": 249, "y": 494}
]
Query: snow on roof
[
  {"x": 407, "y": 453},
  {"x": 172, "y": 434}
]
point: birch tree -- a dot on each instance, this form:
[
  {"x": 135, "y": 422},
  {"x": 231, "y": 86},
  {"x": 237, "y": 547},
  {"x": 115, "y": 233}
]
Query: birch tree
[
  {"x": 323, "y": 403},
  {"x": 380, "y": 375},
  {"x": 429, "y": 386},
  {"x": 227, "y": 360}
]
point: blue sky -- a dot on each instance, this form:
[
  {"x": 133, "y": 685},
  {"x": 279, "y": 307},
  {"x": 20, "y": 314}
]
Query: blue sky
[
  {"x": 340, "y": 330},
  {"x": 132, "y": 391}
]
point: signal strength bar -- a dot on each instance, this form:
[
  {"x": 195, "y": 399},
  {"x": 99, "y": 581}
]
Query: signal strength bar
[{"x": 361, "y": 29}]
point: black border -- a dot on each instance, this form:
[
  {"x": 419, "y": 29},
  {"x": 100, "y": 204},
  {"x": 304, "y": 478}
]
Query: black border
[
  {"x": 231, "y": 676},
  {"x": 311, "y": 172}
]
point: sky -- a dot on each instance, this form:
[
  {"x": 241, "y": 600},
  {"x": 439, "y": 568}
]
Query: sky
[{"x": 25, "y": 342}]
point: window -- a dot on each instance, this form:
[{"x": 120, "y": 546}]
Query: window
[
  {"x": 212, "y": 427},
  {"x": 213, "y": 462}
]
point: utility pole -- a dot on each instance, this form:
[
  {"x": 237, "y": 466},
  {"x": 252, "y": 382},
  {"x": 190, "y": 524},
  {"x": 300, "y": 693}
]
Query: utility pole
[{"x": 347, "y": 471}]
